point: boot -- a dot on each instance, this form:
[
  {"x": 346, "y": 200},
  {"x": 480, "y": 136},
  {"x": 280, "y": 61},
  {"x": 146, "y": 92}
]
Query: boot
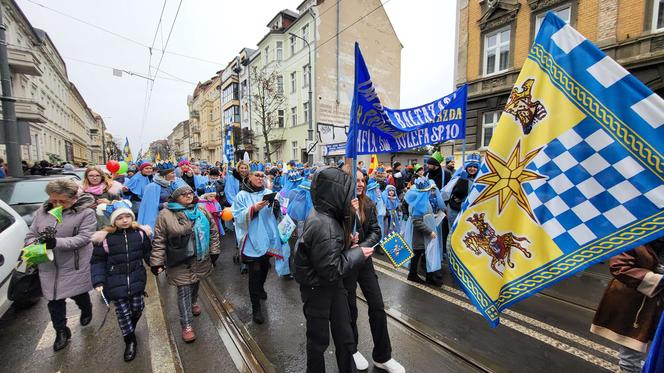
[
  {"x": 188, "y": 334},
  {"x": 263, "y": 295},
  {"x": 130, "y": 347},
  {"x": 412, "y": 272},
  {"x": 62, "y": 337},
  {"x": 257, "y": 315},
  {"x": 196, "y": 309}
]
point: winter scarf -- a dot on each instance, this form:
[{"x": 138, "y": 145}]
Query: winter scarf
[
  {"x": 161, "y": 181},
  {"x": 96, "y": 190},
  {"x": 201, "y": 227}
]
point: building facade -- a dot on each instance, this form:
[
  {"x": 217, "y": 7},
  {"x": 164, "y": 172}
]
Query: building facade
[
  {"x": 179, "y": 140},
  {"x": 205, "y": 120},
  {"x": 494, "y": 38},
  {"x": 308, "y": 52},
  {"x": 50, "y": 110}
]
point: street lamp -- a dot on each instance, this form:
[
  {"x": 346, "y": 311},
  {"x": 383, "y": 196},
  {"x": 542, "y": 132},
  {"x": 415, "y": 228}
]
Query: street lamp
[{"x": 311, "y": 104}]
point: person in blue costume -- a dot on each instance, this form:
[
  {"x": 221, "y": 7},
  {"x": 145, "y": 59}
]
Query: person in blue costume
[
  {"x": 155, "y": 197},
  {"x": 275, "y": 179},
  {"x": 456, "y": 191},
  {"x": 299, "y": 207},
  {"x": 392, "y": 210},
  {"x": 135, "y": 186},
  {"x": 421, "y": 230},
  {"x": 234, "y": 179},
  {"x": 258, "y": 236},
  {"x": 293, "y": 179},
  {"x": 374, "y": 192},
  {"x": 199, "y": 178}
]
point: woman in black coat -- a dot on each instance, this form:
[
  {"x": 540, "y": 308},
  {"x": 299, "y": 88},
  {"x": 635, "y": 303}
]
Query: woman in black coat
[
  {"x": 117, "y": 267},
  {"x": 323, "y": 257}
]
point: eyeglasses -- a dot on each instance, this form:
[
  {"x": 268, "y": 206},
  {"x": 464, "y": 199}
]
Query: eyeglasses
[
  {"x": 187, "y": 194},
  {"x": 258, "y": 175}
]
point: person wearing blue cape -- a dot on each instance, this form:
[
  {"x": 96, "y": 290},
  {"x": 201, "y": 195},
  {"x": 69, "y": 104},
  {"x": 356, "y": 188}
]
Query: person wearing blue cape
[
  {"x": 374, "y": 192},
  {"x": 257, "y": 232},
  {"x": 421, "y": 230},
  {"x": 299, "y": 207},
  {"x": 293, "y": 179},
  {"x": 155, "y": 197},
  {"x": 274, "y": 179},
  {"x": 134, "y": 187},
  {"x": 234, "y": 179},
  {"x": 631, "y": 306},
  {"x": 456, "y": 191},
  {"x": 392, "y": 210}
]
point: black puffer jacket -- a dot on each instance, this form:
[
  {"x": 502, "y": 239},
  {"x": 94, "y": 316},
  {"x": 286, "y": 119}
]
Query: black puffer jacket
[
  {"x": 320, "y": 255},
  {"x": 120, "y": 270}
]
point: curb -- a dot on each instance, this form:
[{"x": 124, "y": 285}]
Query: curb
[{"x": 164, "y": 357}]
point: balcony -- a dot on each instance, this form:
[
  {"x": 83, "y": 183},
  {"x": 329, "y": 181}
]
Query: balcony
[
  {"x": 23, "y": 61},
  {"x": 194, "y": 114},
  {"x": 29, "y": 111},
  {"x": 195, "y": 145},
  {"x": 194, "y": 128}
]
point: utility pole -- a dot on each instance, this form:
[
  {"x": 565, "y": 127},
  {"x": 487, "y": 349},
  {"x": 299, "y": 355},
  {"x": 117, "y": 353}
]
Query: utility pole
[
  {"x": 310, "y": 132},
  {"x": 9, "y": 123}
]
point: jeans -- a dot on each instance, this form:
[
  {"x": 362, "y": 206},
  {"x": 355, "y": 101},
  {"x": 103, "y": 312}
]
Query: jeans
[
  {"x": 128, "y": 311},
  {"x": 366, "y": 277},
  {"x": 327, "y": 309},
  {"x": 630, "y": 360},
  {"x": 187, "y": 296},
  {"x": 58, "y": 309},
  {"x": 258, "y": 268}
]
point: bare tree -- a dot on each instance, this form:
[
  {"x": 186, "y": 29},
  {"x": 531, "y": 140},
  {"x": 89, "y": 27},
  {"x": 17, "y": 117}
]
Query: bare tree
[
  {"x": 267, "y": 98},
  {"x": 161, "y": 147}
]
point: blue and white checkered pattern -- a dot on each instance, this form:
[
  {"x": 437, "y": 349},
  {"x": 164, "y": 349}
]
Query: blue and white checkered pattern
[
  {"x": 229, "y": 152},
  {"x": 593, "y": 187}
]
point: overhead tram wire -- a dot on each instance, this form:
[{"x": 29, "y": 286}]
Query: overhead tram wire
[
  {"x": 126, "y": 38},
  {"x": 142, "y": 75},
  {"x": 168, "y": 38}
]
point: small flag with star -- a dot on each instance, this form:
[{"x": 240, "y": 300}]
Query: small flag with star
[
  {"x": 57, "y": 213},
  {"x": 573, "y": 175},
  {"x": 396, "y": 249}
]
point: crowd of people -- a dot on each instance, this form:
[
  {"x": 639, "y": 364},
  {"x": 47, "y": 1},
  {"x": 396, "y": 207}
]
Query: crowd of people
[{"x": 168, "y": 218}]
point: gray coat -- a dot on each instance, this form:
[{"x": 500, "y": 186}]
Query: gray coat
[{"x": 69, "y": 273}]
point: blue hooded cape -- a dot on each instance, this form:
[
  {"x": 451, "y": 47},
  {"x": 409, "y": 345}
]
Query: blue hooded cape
[
  {"x": 373, "y": 192},
  {"x": 137, "y": 184},
  {"x": 154, "y": 195},
  {"x": 300, "y": 203},
  {"x": 419, "y": 206},
  {"x": 392, "y": 209},
  {"x": 231, "y": 188},
  {"x": 256, "y": 231}
]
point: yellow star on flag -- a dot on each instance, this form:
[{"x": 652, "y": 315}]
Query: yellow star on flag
[{"x": 505, "y": 179}]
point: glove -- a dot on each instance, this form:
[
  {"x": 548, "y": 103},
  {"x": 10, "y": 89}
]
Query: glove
[
  {"x": 214, "y": 258},
  {"x": 276, "y": 209},
  {"x": 50, "y": 242},
  {"x": 155, "y": 270}
]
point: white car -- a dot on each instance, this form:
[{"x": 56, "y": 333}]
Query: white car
[{"x": 12, "y": 233}]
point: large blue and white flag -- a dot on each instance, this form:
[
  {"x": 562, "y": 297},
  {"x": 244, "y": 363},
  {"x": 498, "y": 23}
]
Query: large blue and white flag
[
  {"x": 229, "y": 152},
  {"x": 574, "y": 174},
  {"x": 377, "y": 129}
]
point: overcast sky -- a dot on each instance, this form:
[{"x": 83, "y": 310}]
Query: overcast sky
[{"x": 213, "y": 31}]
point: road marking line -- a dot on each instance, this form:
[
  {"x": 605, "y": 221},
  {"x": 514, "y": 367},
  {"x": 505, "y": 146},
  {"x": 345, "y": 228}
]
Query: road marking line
[
  {"x": 508, "y": 323},
  {"x": 527, "y": 319}
]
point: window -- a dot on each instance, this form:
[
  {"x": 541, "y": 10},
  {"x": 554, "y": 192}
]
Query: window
[
  {"x": 293, "y": 81},
  {"x": 489, "y": 121},
  {"x": 296, "y": 150},
  {"x": 6, "y": 220},
  {"x": 243, "y": 89},
  {"x": 280, "y": 50},
  {"x": 280, "y": 118},
  {"x": 306, "y": 71},
  {"x": 496, "y": 51},
  {"x": 305, "y": 108},
  {"x": 232, "y": 114},
  {"x": 293, "y": 113},
  {"x": 564, "y": 12},
  {"x": 280, "y": 84},
  {"x": 305, "y": 34},
  {"x": 267, "y": 55},
  {"x": 658, "y": 15},
  {"x": 293, "y": 45},
  {"x": 230, "y": 93}
]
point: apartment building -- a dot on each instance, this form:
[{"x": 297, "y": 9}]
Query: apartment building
[{"x": 494, "y": 38}]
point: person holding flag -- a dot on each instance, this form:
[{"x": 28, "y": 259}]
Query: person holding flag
[
  {"x": 456, "y": 191},
  {"x": 126, "y": 152}
]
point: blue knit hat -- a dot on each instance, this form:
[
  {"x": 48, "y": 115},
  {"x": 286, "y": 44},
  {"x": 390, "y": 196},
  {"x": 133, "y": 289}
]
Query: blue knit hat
[{"x": 178, "y": 187}]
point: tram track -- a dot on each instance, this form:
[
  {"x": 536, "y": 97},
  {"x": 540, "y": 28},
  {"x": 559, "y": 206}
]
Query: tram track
[
  {"x": 426, "y": 335},
  {"x": 245, "y": 352}
]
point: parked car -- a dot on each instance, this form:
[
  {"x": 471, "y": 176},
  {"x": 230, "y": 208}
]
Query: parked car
[
  {"x": 79, "y": 172},
  {"x": 12, "y": 233},
  {"x": 26, "y": 194}
]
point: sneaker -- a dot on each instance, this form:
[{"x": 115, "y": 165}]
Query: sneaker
[
  {"x": 188, "y": 334},
  {"x": 360, "y": 362},
  {"x": 196, "y": 309},
  {"x": 390, "y": 366}
]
